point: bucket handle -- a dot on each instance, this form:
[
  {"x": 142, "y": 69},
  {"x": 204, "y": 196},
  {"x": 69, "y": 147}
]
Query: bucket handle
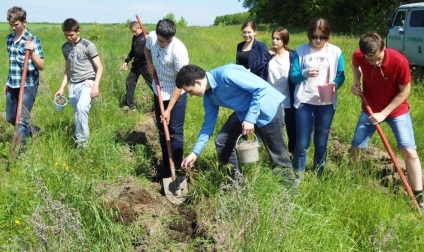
[{"x": 238, "y": 139}]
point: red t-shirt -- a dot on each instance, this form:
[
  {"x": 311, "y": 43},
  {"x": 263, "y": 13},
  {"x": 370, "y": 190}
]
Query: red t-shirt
[{"x": 381, "y": 84}]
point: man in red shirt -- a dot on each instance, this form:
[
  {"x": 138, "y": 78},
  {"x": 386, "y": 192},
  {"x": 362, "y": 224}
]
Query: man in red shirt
[{"x": 386, "y": 86}]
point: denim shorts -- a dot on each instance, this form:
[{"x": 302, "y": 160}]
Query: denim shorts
[{"x": 401, "y": 127}]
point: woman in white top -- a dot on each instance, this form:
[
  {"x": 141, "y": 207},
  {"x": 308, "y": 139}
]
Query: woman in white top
[{"x": 278, "y": 76}]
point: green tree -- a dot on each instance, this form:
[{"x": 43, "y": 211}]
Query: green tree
[
  {"x": 232, "y": 19},
  {"x": 182, "y": 22},
  {"x": 345, "y": 16},
  {"x": 171, "y": 16}
]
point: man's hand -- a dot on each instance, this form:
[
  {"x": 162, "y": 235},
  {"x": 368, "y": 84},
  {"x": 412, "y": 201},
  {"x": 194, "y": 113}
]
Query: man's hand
[
  {"x": 59, "y": 92},
  {"x": 29, "y": 46},
  {"x": 377, "y": 118},
  {"x": 247, "y": 128},
  {"x": 356, "y": 88},
  {"x": 125, "y": 66},
  {"x": 95, "y": 92},
  {"x": 188, "y": 162},
  {"x": 166, "y": 117}
]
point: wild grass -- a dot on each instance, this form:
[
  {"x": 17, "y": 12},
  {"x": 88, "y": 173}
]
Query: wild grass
[{"x": 343, "y": 211}]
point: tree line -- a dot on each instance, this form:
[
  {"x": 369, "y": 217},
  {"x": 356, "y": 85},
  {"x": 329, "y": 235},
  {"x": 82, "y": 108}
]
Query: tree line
[{"x": 350, "y": 17}]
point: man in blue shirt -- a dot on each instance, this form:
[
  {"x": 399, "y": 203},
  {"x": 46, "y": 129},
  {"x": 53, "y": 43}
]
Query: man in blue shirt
[{"x": 256, "y": 104}]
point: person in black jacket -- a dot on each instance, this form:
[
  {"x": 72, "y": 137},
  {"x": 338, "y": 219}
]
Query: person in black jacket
[
  {"x": 139, "y": 64},
  {"x": 251, "y": 53}
]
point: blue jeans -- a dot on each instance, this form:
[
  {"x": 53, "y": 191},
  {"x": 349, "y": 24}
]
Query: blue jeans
[
  {"x": 272, "y": 136},
  {"x": 401, "y": 127},
  {"x": 176, "y": 132},
  {"x": 80, "y": 98},
  {"x": 12, "y": 96},
  {"x": 316, "y": 119}
]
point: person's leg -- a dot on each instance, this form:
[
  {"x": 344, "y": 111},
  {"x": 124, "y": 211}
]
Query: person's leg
[
  {"x": 176, "y": 129},
  {"x": 304, "y": 122},
  {"x": 226, "y": 140},
  {"x": 80, "y": 97},
  {"x": 363, "y": 132},
  {"x": 272, "y": 136},
  {"x": 12, "y": 96},
  {"x": 146, "y": 76},
  {"x": 404, "y": 133},
  {"x": 162, "y": 172},
  {"x": 130, "y": 84},
  {"x": 290, "y": 122},
  {"x": 323, "y": 119}
]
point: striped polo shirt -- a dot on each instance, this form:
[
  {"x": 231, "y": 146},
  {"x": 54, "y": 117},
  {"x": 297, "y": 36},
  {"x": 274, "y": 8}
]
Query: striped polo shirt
[{"x": 167, "y": 62}]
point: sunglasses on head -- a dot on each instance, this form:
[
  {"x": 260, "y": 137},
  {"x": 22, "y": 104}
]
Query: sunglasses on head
[{"x": 315, "y": 37}]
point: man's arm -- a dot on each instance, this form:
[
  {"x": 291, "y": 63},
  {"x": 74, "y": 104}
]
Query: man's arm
[
  {"x": 403, "y": 94},
  {"x": 64, "y": 80},
  {"x": 356, "y": 87},
  {"x": 36, "y": 59},
  {"x": 99, "y": 72},
  {"x": 149, "y": 61}
]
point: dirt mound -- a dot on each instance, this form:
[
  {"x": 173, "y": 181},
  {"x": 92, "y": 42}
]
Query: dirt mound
[
  {"x": 145, "y": 207},
  {"x": 378, "y": 161}
]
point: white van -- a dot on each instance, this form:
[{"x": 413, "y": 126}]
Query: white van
[{"x": 406, "y": 32}]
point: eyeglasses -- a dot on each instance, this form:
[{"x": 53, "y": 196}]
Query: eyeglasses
[{"x": 315, "y": 37}]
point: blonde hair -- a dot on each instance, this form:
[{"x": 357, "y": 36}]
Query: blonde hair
[{"x": 134, "y": 24}]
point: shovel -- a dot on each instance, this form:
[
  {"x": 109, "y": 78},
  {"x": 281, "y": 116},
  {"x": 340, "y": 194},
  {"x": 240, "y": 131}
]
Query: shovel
[
  {"x": 16, "y": 139},
  {"x": 392, "y": 155},
  {"x": 175, "y": 187}
]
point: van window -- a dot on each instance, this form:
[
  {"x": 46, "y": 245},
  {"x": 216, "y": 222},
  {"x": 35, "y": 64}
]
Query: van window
[
  {"x": 400, "y": 18},
  {"x": 417, "y": 18}
]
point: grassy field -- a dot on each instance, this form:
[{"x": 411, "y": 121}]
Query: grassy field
[{"x": 49, "y": 200}]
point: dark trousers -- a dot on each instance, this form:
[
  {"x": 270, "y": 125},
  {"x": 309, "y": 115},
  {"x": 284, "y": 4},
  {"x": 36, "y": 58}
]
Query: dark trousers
[
  {"x": 176, "y": 131},
  {"x": 290, "y": 123},
  {"x": 131, "y": 82},
  {"x": 272, "y": 136}
]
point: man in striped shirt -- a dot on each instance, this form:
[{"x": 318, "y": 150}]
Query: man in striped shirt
[{"x": 166, "y": 55}]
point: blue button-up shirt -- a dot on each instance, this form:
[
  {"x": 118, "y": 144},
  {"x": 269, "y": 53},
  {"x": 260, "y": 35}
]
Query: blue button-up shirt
[
  {"x": 16, "y": 51},
  {"x": 234, "y": 87}
]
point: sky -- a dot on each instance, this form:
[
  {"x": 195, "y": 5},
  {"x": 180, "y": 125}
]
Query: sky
[{"x": 195, "y": 12}]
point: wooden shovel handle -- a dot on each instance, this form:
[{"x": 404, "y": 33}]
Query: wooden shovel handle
[
  {"x": 392, "y": 155},
  {"x": 22, "y": 88}
]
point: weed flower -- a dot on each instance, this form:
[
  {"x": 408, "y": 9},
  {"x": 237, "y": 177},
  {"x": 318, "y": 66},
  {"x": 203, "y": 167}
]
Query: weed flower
[
  {"x": 55, "y": 224},
  {"x": 56, "y": 163},
  {"x": 18, "y": 222}
]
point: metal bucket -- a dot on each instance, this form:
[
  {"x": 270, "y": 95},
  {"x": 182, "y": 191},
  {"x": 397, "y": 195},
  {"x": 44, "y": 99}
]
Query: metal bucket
[
  {"x": 248, "y": 150},
  {"x": 60, "y": 103}
]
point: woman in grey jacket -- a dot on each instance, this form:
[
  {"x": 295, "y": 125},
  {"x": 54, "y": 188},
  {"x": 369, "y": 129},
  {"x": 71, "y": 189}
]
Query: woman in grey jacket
[{"x": 317, "y": 64}]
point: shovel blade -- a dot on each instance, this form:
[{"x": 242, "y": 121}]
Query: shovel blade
[
  {"x": 176, "y": 191},
  {"x": 16, "y": 144}
]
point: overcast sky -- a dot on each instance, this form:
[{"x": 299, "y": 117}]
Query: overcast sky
[{"x": 195, "y": 12}]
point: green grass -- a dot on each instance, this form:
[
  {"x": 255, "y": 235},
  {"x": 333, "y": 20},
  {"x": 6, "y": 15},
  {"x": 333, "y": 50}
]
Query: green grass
[{"x": 344, "y": 211}]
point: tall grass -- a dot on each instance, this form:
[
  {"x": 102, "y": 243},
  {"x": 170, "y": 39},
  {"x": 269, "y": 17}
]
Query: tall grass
[{"x": 343, "y": 211}]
